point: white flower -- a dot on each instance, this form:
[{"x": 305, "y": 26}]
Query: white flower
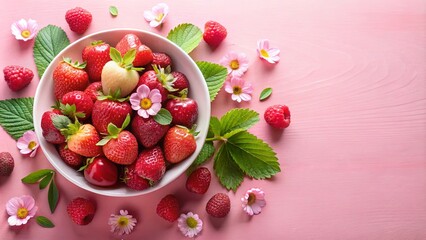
[
  {"x": 253, "y": 201},
  {"x": 20, "y": 209},
  {"x": 190, "y": 224},
  {"x": 123, "y": 223},
  {"x": 240, "y": 89},
  {"x": 24, "y": 30},
  {"x": 236, "y": 63},
  {"x": 157, "y": 15},
  {"x": 272, "y": 55},
  {"x": 28, "y": 144}
]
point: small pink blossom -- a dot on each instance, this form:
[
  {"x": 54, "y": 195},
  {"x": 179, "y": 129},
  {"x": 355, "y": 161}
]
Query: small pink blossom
[
  {"x": 123, "y": 223},
  {"x": 190, "y": 224},
  {"x": 157, "y": 15},
  {"x": 236, "y": 63},
  {"x": 20, "y": 210},
  {"x": 145, "y": 101},
  {"x": 28, "y": 144},
  {"x": 24, "y": 30},
  {"x": 272, "y": 55},
  {"x": 240, "y": 89},
  {"x": 253, "y": 201}
]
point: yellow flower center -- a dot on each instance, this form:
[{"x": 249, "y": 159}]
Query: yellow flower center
[
  {"x": 146, "y": 103},
  {"x": 25, "y": 34},
  {"x": 251, "y": 199},
  {"x": 234, "y": 64},
  {"x": 123, "y": 221},
  {"x": 22, "y": 213},
  {"x": 191, "y": 222},
  {"x": 159, "y": 17},
  {"x": 237, "y": 90},
  {"x": 32, "y": 145},
  {"x": 264, "y": 53}
]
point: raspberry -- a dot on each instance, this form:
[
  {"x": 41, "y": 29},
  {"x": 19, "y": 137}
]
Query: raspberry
[
  {"x": 161, "y": 59},
  {"x": 168, "y": 208},
  {"x": 6, "y": 164},
  {"x": 214, "y": 33},
  {"x": 17, "y": 77},
  {"x": 278, "y": 116},
  {"x": 199, "y": 181},
  {"x": 78, "y": 19},
  {"x": 81, "y": 211},
  {"x": 219, "y": 205}
]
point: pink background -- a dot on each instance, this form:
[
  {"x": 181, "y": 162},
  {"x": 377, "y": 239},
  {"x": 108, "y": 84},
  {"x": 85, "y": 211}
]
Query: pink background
[{"x": 354, "y": 158}]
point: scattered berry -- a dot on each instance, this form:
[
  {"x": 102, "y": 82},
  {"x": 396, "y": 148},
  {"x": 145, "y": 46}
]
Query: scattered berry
[
  {"x": 199, "y": 180},
  {"x": 17, "y": 77},
  {"x": 6, "y": 164},
  {"x": 219, "y": 205},
  {"x": 81, "y": 210},
  {"x": 214, "y": 33},
  {"x": 278, "y": 116},
  {"x": 78, "y": 19},
  {"x": 168, "y": 208}
]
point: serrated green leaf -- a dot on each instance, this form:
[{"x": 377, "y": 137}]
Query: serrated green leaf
[
  {"x": 113, "y": 10},
  {"x": 36, "y": 176},
  {"x": 186, "y": 35},
  {"x": 45, "y": 181},
  {"x": 256, "y": 158},
  {"x": 16, "y": 116},
  {"x": 215, "y": 126},
  {"x": 265, "y": 94},
  {"x": 44, "y": 222},
  {"x": 229, "y": 173},
  {"x": 49, "y": 41},
  {"x": 206, "y": 153},
  {"x": 233, "y": 132},
  {"x": 163, "y": 117},
  {"x": 215, "y": 76},
  {"x": 238, "y": 118},
  {"x": 53, "y": 196}
]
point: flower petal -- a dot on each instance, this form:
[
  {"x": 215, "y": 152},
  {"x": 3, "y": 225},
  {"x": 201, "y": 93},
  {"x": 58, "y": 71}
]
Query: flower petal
[
  {"x": 148, "y": 15},
  {"x": 143, "y": 91},
  {"x": 155, "y": 108},
  {"x": 245, "y": 97},
  {"x": 143, "y": 113},
  {"x": 155, "y": 96}
]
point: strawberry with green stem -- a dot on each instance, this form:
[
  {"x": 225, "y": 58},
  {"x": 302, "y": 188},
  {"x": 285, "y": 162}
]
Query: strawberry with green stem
[
  {"x": 96, "y": 55},
  {"x": 179, "y": 144},
  {"x": 82, "y": 139},
  {"x": 184, "y": 110},
  {"x": 159, "y": 78},
  {"x": 69, "y": 76}
]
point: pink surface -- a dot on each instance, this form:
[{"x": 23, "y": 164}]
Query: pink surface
[{"x": 354, "y": 158}]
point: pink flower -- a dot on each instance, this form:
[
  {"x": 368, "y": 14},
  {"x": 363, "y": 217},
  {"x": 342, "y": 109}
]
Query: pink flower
[
  {"x": 236, "y": 63},
  {"x": 123, "y": 223},
  {"x": 28, "y": 144},
  {"x": 20, "y": 210},
  {"x": 272, "y": 55},
  {"x": 253, "y": 201},
  {"x": 146, "y": 102},
  {"x": 157, "y": 15},
  {"x": 24, "y": 30},
  {"x": 240, "y": 89},
  {"x": 190, "y": 224}
]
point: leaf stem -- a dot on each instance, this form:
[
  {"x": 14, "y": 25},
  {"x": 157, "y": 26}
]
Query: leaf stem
[{"x": 216, "y": 138}]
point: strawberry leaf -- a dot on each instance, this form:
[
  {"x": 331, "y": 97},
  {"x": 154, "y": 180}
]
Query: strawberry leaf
[
  {"x": 129, "y": 57},
  {"x": 265, "y": 94},
  {"x": 44, "y": 222},
  {"x": 229, "y": 173},
  {"x": 205, "y": 154},
  {"x": 215, "y": 76},
  {"x": 115, "y": 55},
  {"x": 16, "y": 116},
  {"x": 53, "y": 196},
  {"x": 36, "y": 176},
  {"x": 215, "y": 126},
  {"x": 238, "y": 118},
  {"x": 113, "y": 10},
  {"x": 46, "y": 180},
  {"x": 186, "y": 35},
  {"x": 60, "y": 121},
  {"x": 163, "y": 117}
]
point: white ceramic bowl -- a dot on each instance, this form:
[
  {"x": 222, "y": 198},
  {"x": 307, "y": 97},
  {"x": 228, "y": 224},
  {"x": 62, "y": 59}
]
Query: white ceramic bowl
[{"x": 44, "y": 99}]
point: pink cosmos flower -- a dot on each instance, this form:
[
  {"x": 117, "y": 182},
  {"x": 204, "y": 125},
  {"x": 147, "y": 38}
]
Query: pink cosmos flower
[
  {"x": 123, "y": 223},
  {"x": 20, "y": 210},
  {"x": 272, "y": 55},
  {"x": 157, "y": 15},
  {"x": 24, "y": 30},
  {"x": 236, "y": 63},
  {"x": 190, "y": 224},
  {"x": 253, "y": 201},
  {"x": 28, "y": 144},
  {"x": 240, "y": 89},
  {"x": 147, "y": 102}
]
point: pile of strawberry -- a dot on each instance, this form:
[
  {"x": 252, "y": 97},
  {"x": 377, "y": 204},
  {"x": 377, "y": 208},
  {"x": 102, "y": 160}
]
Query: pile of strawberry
[{"x": 97, "y": 130}]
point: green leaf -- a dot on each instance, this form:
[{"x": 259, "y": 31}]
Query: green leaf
[
  {"x": 265, "y": 94},
  {"x": 206, "y": 153},
  {"x": 46, "y": 180},
  {"x": 44, "y": 222},
  {"x": 215, "y": 126},
  {"x": 163, "y": 117},
  {"x": 215, "y": 76},
  {"x": 36, "y": 176},
  {"x": 128, "y": 57},
  {"x": 256, "y": 158},
  {"x": 228, "y": 172},
  {"x": 113, "y": 10},
  {"x": 53, "y": 196},
  {"x": 49, "y": 41},
  {"x": 242, "y": 118},
  {"x": 16, "y": 116},
  {"x": 60, "y": 121},
  {"x": 186, "y": 35},
  {"x": 115, "y": 55}
]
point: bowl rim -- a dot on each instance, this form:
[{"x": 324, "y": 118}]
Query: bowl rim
[{"x": 101, "y": 190}]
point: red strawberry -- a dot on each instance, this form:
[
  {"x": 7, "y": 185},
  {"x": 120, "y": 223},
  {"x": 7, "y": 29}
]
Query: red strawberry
[
  {"x": 150, "y": 79},
  {"x": 81, "y": 210},
  {"x": 199, "y": 180},
  {"x": 68, "y": 77},
  {"x": 51, "y": 124},
  {"x": 214, "y": 33},
  {"x": 179, "y": 143},
  {"x": 143, "y": 53},
  {"x": 160, "y": 59},
  {"x": 17, "y": 77},
  {"x": 120, "y": 146},
  {"x": 82, "y": 139},
  {"x": 150, "y": 164},
  {"x": 278, "y": 116},
  {"x": 184, "y": 111},
  {"x": 6, "y": 164},
  {"x": 100, "y": 171},
  {"x": 219, "y": 205},
  {"x": 78, "y": 19},
  {"x": 109, "y": 111},
  {"x": 71, "y": 158},
  {"x": 93, "y": 90},
  {"x": 83, "y": 105},
  {"x": 133, "y": 180},
  {"x": 143, "y": 56},
  {"x": 96, "y": 56},
  {"x": 147, "y": 131},
  {"x": 180, "y": 83},
  {"x": 168, "y": 208}
]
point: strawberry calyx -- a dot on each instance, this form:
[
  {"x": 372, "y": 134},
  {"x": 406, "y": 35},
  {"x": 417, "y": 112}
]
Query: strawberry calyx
[
  {"x": 75, "y": 64},
  {"x": 71, "y": 111},
  {"x": 71, "y": 129},
  {"x": 88, "y": 162},
  {"x": 180, "y": 95},
  {"x": 191, "y": 131},
  {"x": 165, "y": 77},
  {"x": 115, "y": 96},
  {"x": 113, "y": 131},
  {"x": 125, "y": 61},
  {"x": 60, "y": 121},
  {"x": 97, "y": 42}
]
